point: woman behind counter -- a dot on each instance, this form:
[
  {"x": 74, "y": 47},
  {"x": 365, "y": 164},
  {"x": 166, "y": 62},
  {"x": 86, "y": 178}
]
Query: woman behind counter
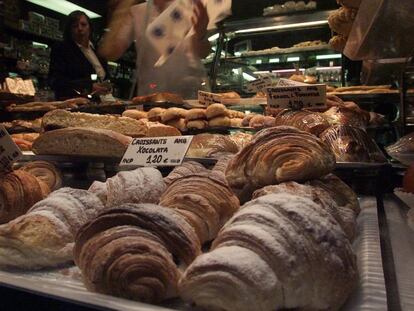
[
  {"x": 183, "y": 73},
  {"x": 73, "y": 61}
]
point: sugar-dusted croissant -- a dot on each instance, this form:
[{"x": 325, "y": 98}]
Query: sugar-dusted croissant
[
  {"x": 205, "y": 201},
  {"x": 343, "y": 214},
  {"x": 143, "y": 185},
  {"x": 130, "y": 251},
  {"x": 187, "y": 168},
  {"x": 19, "y": 191},
  {"x": 44, "y": 237},
  {"x": 279, "y": 251},
  {"x": 280, "y": 154}
]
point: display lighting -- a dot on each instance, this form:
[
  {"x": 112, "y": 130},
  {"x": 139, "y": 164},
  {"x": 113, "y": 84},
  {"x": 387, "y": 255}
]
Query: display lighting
[
  {"x": 282, "y": 27},
  {"x": 328, "y": 56},
  {"x": 293, "y": 59},
  {"x": 64, "y": 7}
]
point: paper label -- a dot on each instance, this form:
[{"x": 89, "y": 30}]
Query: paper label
[
  {"x": 287, "y": 82},
  {"x": 297, "y": 97},
  {"x": 157, "y": 151},
  {"x": 260, "y": 84},
  {"x": 207, "y": 99},
  {"x": 9, "y": 151}
]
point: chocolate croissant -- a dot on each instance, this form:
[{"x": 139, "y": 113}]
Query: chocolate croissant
[
  {"x": 277, "y": 155},
  {"x": 19, "y": 191},
  {"x": 44, "y": 237},
  {"x": 205, "y": 202},
  {"x": 132, "y": 251},
  {"x": 279, "y": 251}
]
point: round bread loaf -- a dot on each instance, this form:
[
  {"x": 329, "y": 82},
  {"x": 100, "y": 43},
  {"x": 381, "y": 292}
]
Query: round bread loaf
[
  {"x": 216, "y": 110},
  {"x": 178, "y": 123},
  {"x": 135, "y": 114},
  {"x": 154, "y": 115},
  {"x": 197, "y": 124},
  {"x": 219, "y": 121},
  {"x": 338, "y": 43},
  {"x": 173, "y": 114},
  {"x": 196, "y": 114}
]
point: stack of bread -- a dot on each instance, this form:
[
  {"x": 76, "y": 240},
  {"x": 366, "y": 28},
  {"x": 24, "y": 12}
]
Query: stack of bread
[
  {"x": 175, "y": 117},
  {"x": 217, "y": 115},
  {"x": 196, "y": 119}
]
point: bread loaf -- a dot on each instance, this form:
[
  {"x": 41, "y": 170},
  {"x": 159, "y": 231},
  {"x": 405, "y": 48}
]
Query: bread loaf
[
  {"x": 44, "y": 237},
  {"x": 154, "y": 115},
  {"x": 172, "y": 114},
  {"x": 58, "y": 119},
  {"x": 196, "y": 114},
  {"x": 279, "y": 154},
  {"x": 82, "y": 142},
  {"x": 280, "y": 251},
  {"x": 216, "y": 110},
  {"x": 46, "y": 172},
  {"x": 161, "y": 130},
  {"x": 129, "y": 252},
  {"x": 19, "y": 191},
  {"x": 135, "y": 114},
  {"x": 341, "y": 20}
]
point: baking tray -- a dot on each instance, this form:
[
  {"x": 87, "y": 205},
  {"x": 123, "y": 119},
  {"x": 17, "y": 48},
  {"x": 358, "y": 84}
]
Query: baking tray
[{"x": 66, "y": 285}]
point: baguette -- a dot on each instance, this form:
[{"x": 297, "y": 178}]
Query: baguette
[
  {"x": 62, "y": 119},
  {"x": 82, "y": 142}
]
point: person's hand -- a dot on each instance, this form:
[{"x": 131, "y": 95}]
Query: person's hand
[{"x": 200, "y": 19}]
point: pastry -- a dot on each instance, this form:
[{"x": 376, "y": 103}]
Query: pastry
[
  {"x": 204, "y": 201},
  {"x": 179, "y": 124},
  {"x": 45, "y": 235},
  {"x": 185, "y": 169},
  {"x": 351, "y": 144},
  {"x": 135, "y": 114},
  {"x": 154, "y": 115},
  {"x": 100, "y": 190},
  {"x": 82, "y": 142},
  {"x": 247, "y": 118},
  {"x": 216, "y": 110},
  {"x": 235, "y": 114},
  {"x": 132, "y": 251},
  {"x": 58, "y": 119},
  {"x": 19, "y": 191},
  {"x": 279, "y": 154},
  {"x": 143, "y": 185},
  {"x": 172, "y": 114},
  {"x": 197, "y": 124},
  {"x": 403, "y": 149},
  {"x": 347, "y": 116},
  {"x": 196, "y": 114},
  {"x": 241, "y": 139},
  {"x": 308, "y": 121},
  {"x": 161, "y": 130},
  {"x": 272, "y": 255},
  {"x": 341, "y": 20},
  {"x": 211, "y": 145},
  {"x": 236, "y": 122},
  {"x": 221, "y": 121},
  {"x": 46, "y": 172},
  {"x": 338, "y": 43}
]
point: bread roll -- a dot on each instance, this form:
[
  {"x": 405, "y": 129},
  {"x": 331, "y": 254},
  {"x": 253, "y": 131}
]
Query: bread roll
[
  {"x": 46, "y": 172},
  {"x": 154, "y": 115},
  {"x": 216, "y": 110},
  {"x": 44, "y": 237},
  {"x": 58, "y": 119},
  {"x": 197, "y": 124},
  {"x": 341, "y": 20},
  {"x": 257, "y": 121},
  {"x": 280, "y": 154},
  {"x": 135, "y": 114},
  {"x": 161, "y": 130},
  {"x": 338, "y": 43},
  {"x": 130, "y": 251},
  {"x": 19, "y": 191},
  {"x": 180, "y": 124},
  {"x": 236, "y": 122},
  {"x": 219, "y": 122},
  {"x": 196, "y": 114},
  {"x": 173, "y": 114},
  {"x": 82, "y": 142},
  {"x": 247, "y": 118}
]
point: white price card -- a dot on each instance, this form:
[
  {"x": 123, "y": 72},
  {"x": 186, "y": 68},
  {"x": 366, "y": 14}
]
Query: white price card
[
  {"x": 287, "y": 82},
  {"x": 157, "y": 151},
  {"x": 9, "y": 151},
  {"x": 297, "y": 97},
  {"x": 260, "y": 84},
  {"x": 207, "y": 99}
]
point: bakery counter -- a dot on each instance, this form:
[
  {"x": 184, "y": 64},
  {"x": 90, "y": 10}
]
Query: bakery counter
[
  {"x": 65, "y": 284},
  {"x": 401, "y": 247}
]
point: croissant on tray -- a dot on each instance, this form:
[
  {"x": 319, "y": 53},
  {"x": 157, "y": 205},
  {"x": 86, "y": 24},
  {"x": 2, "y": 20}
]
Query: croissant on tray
[
  {"x": 308, "y": 121},
  {"x": 205, "y": 201},
  {"x": 133, "y": 250},
  {"x": 280, "y": 251},
  {"x": 279, "y": 154},
  {"x": 45, "y": 235}
]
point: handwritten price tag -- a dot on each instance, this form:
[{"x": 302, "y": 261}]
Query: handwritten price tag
[
  {"x": 9, "y": 152},
  {"x": 207, "y": 99},
  {"x": 157, "y": 151},
  {"x": 297, "y": 97},
  {"x": 260, "y": 84}
]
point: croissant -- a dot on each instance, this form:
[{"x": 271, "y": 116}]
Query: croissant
[
  {"x": 19, "y": 191},
  {"x": 143, "y": 185},
  {"x": 129, "y": 251},
  {"x": 205, "y": 201},
  {"x": 308, "y": 121},
  {"x": 187, "y": 168},
  {"x": 46, "y": 172},
  {"x": 344, "y": 215},
  {"x": 279, "y": 251},
  {"x": 44, "y": 237},
  {"x": 279, "y": 154}
]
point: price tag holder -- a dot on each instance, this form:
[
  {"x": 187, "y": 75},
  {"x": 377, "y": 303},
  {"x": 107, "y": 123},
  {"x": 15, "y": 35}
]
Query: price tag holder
[
  {"x": 157, "y": 151},
  {"x": 207, "y": 99},
  {"x": 297, "y": 97},
  {"x": 9, "y": 151}
]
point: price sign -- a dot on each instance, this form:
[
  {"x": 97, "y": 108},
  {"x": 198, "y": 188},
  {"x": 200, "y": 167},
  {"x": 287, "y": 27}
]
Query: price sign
[
  {"x": 157, "y": 151},
  {"x": 297, "y": 97},
  {"x": 9, "y": 152},
  {"x": 287, "y": 82},
  {"x": 260, "y": 84},
  {"x": 207, "y": 99}
]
